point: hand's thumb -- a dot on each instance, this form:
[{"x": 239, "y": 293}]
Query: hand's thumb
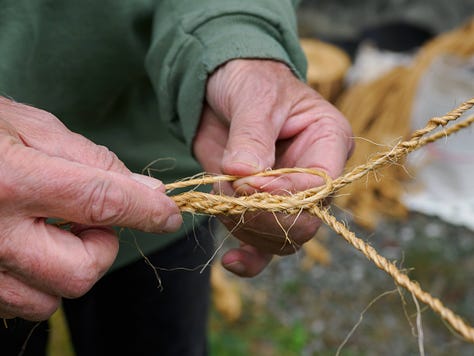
[
  {"x": 251, "y": 144},
  {"x": 244, "y": 94}
]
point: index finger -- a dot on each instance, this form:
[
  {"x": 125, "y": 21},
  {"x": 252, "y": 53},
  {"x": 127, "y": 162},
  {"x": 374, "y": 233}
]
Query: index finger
[{"x": 44, "y": 186}]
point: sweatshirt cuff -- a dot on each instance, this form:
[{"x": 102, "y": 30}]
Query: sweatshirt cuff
[
  {"x": 210, "y": 44},
  {"x": 244, "y": 37}
]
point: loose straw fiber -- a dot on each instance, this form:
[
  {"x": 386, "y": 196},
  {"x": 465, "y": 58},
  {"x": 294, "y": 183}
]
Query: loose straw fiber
[
  {"x": 311, "y": 200},
  {"x": 379, "y": 112}
]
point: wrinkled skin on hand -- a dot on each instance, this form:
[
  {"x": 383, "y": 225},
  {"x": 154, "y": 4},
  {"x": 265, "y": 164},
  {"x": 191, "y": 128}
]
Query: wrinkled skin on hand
[
  {"x": 48, "y": 171},
  {"x": 258, "y": 115}
]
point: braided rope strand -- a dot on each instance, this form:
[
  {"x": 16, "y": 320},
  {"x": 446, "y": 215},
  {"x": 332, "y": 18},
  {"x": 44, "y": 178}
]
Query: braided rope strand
[
  {"x": 399, "y": 277},
  {"x": 310, "y": 201}
]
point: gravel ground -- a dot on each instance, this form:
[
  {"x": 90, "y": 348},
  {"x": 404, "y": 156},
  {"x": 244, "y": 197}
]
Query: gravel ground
[{"x": 328, "y": 301}]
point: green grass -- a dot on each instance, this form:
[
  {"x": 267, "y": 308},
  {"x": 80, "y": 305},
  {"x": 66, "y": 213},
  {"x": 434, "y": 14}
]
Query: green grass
[
  {"x": 59, "y": 342},
  {"x": 257, "y": 333}
]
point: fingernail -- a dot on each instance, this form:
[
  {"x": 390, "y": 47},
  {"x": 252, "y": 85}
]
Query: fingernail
[
  {"x": 246, "y": 158},
  {"x": 235, "y": 267},
  {"x": 244, "y": 188},
  {"x": 146, "y": 180},
  {"x": 173, "y": 223}
]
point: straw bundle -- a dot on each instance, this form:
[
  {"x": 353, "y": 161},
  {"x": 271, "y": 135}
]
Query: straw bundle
[
  {"x": 327, "y": 67},
  {"x": 379, "y": 112}
]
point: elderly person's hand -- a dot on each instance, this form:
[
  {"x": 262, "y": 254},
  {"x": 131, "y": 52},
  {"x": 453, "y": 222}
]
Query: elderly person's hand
[
  {"x": 258, "y": 115},
  {"x": 48, "y": 171}
]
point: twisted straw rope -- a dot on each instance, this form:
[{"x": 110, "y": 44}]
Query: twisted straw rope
[{"x": 311, "y": 201}]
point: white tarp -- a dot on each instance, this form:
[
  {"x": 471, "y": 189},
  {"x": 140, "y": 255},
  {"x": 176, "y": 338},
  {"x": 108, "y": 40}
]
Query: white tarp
[{"x": 443, "y": 182}]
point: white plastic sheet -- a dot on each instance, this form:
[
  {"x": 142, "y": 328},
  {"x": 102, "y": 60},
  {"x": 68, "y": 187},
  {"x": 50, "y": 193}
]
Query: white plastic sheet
[{"x": 443, "y": 183}]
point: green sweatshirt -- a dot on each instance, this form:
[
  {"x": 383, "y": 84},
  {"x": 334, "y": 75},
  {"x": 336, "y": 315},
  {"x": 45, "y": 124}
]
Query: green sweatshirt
[{"x": 131, "y": 74}]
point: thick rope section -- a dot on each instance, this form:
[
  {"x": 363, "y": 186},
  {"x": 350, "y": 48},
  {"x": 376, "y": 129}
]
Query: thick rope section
[
  {"x": 311, "y": 201},
  {"x": 213, "y": 204}
]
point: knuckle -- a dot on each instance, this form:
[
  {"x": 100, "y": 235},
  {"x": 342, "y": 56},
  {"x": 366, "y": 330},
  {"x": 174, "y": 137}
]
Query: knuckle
[
  {"x": 12, "y": 299},
  {"x": 326, "y": 128},
  {"x": 10, "y": 172},
  {"x": 79, "y": 282},
  {"x": 105, "y": 203},
  {"x": 255, "y": 138},
  {"x": 44, "y": 310},
  {"x": 16, "y": 304},
  {"x": 335, "y": 127},
  {"x": 98, "y": 156},
  {"x": 48, "y": 118},
  {"x": 107, "y": 160},
  {"x": 38, "y": 120}
]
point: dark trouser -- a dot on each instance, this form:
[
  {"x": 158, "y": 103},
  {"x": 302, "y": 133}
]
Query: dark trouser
[{"x": 128, "y": 313}]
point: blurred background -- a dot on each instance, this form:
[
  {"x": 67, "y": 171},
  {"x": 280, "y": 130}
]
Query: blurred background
[
  {"x": 389, "y": 66},
  {"x": 345, "y": 20}
]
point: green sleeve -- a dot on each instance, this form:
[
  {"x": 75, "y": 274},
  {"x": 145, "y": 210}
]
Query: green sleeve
[{"x": 192, "y": 38}]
